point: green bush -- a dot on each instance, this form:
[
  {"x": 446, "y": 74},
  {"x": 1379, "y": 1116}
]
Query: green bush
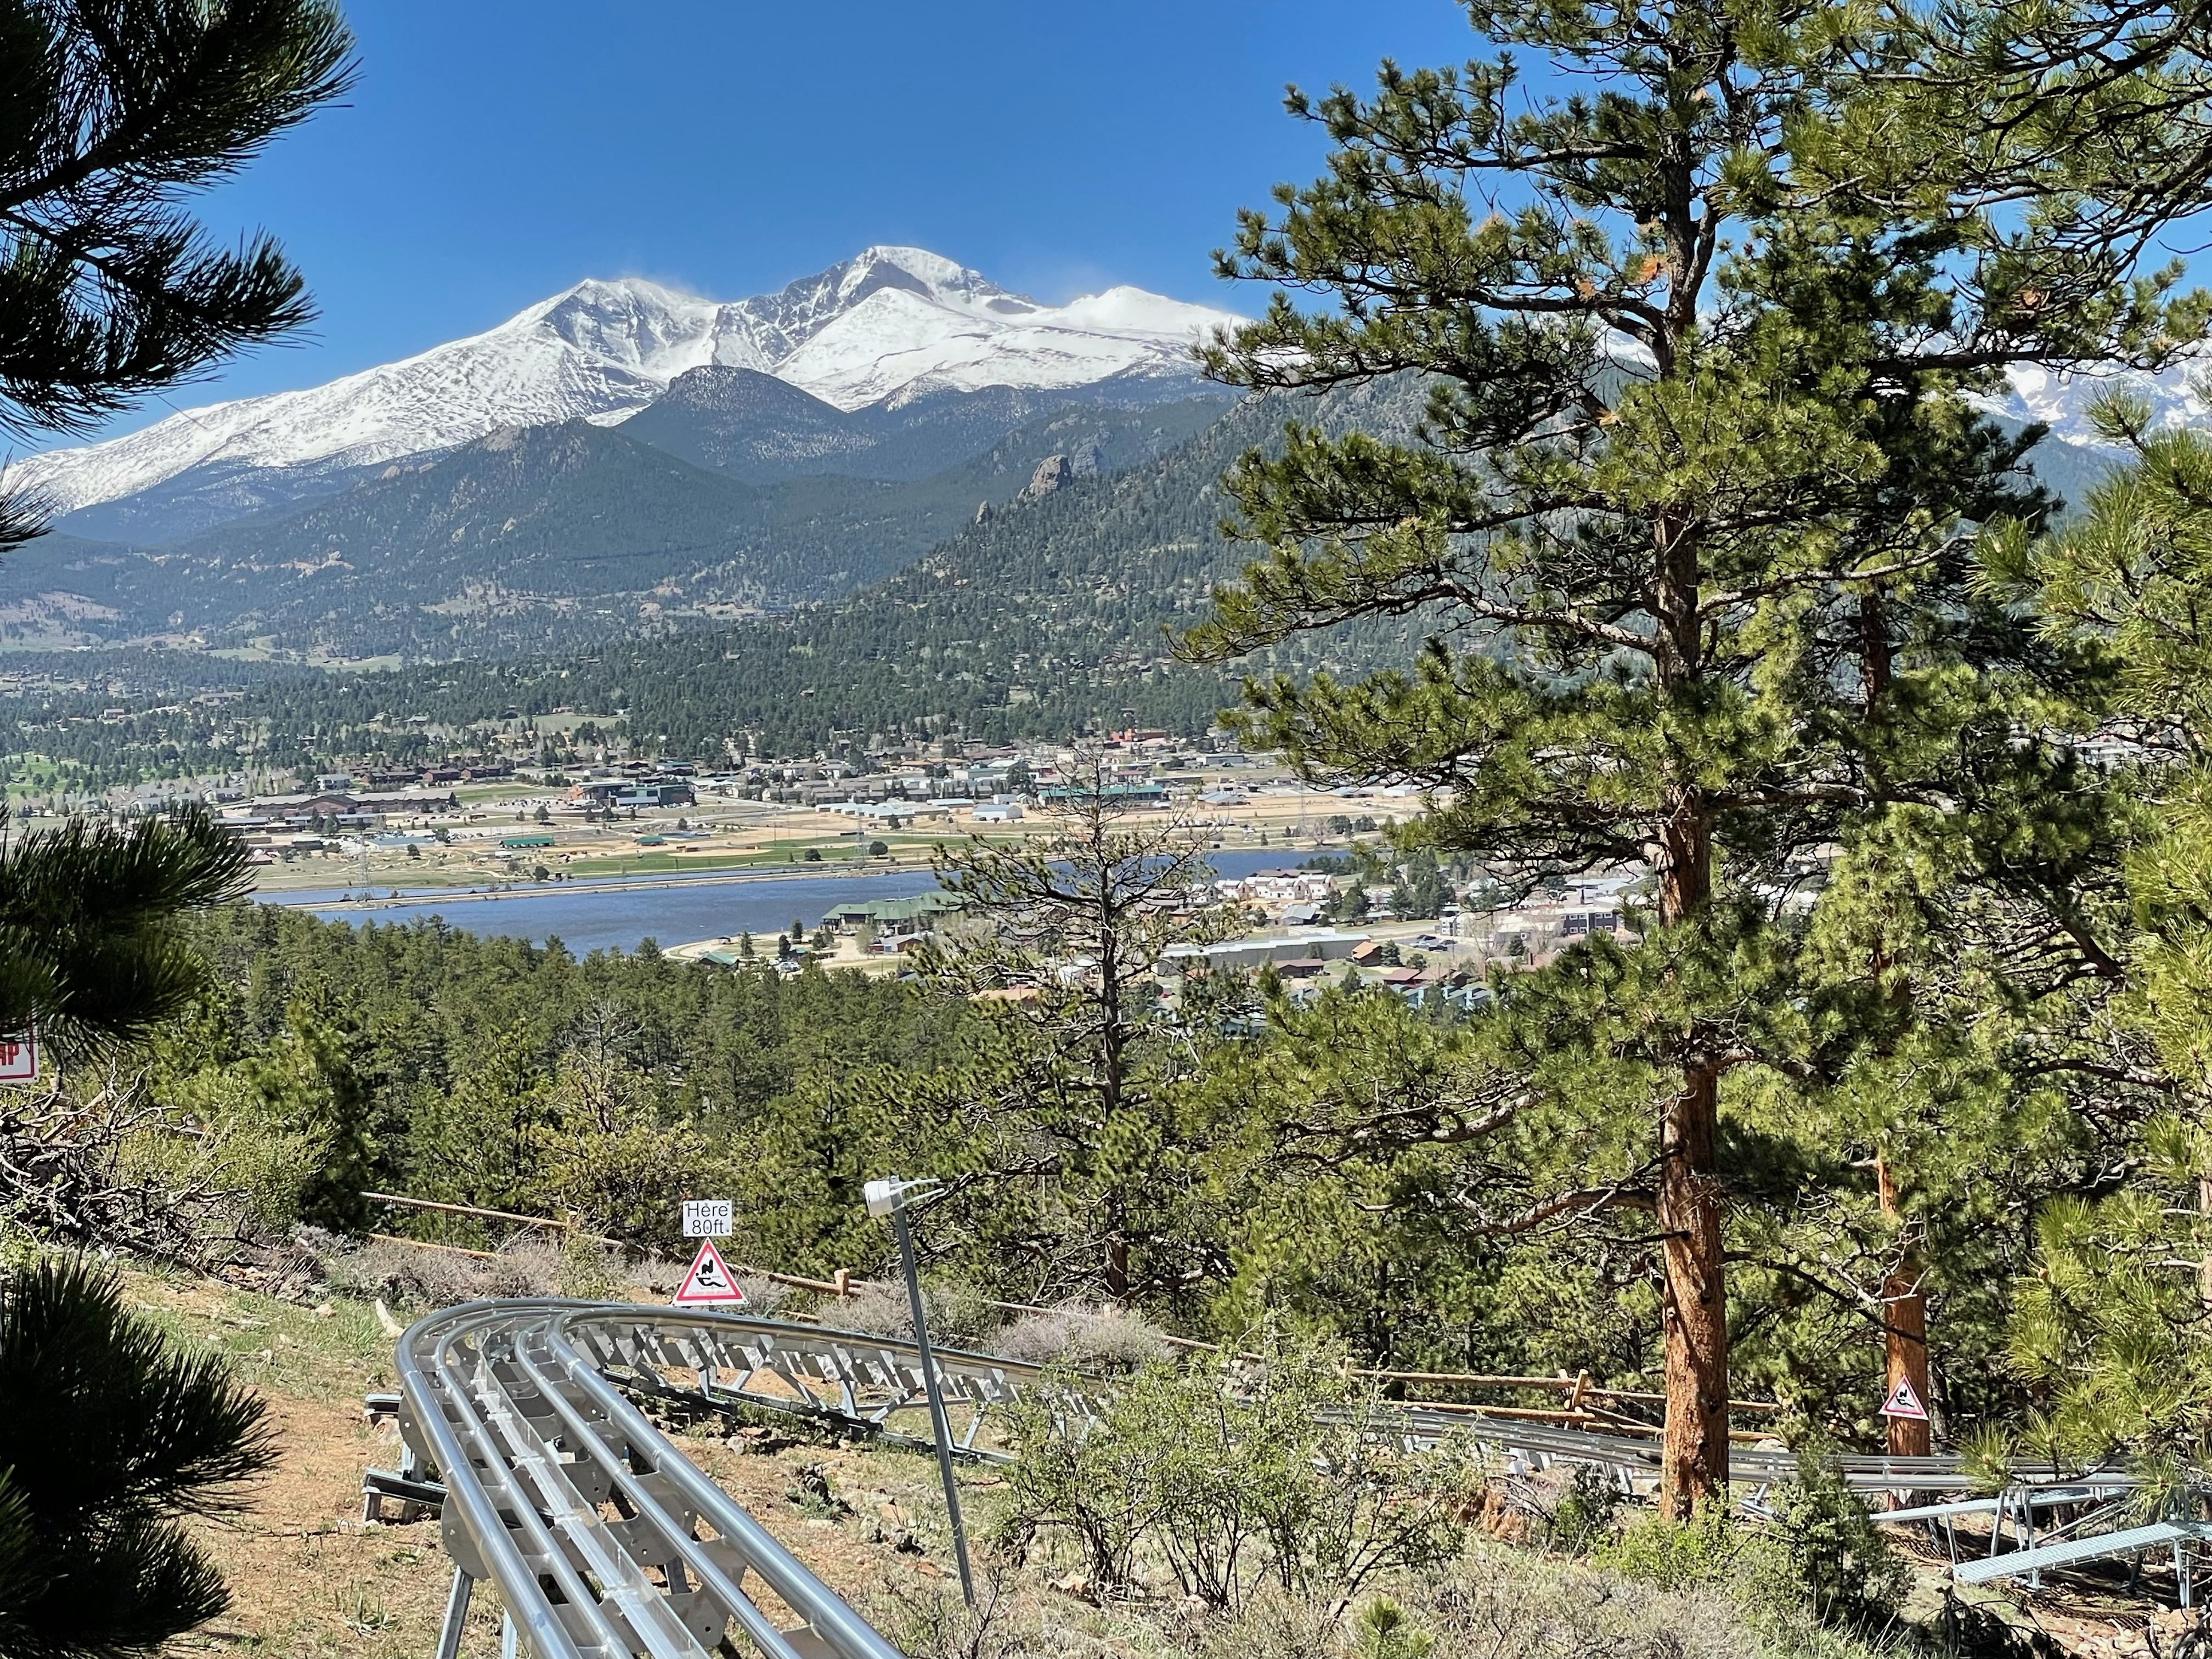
[
  {"x": 1827, "y": 1551},
  {"x": 1708, "y": 1548},
  {"x": 1382, "y": 1631},
  {"x": 1230, "y": 1474},
  {"x": 1822, "y": 1557},
  {"x": 1583, "y": 1516}
]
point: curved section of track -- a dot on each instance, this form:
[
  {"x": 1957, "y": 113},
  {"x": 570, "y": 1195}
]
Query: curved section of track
[
  {"x": 604, "y": 1539},
  {"x": 606, "y": 1542}
]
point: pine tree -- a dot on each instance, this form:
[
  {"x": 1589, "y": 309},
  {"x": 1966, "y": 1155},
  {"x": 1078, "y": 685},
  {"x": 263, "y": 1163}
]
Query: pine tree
[
  {"x": 108, "y": 1437},
  {"x": 2113, "y": 1326},
  {"x": 104, "y": 1435},
  {"x": 1685, "y": 515},
  {"x": 92, "y": 951},
  {"x": 109, "y": 114},
  {"x": 311, "y": 1083},
  {"x": 1065, "y": 935}
]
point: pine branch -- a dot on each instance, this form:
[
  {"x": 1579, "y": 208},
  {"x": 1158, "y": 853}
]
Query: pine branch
[{"x": 109, "y": 111}]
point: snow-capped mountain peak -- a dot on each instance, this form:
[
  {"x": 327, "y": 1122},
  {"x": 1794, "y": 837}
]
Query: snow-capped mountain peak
[
  {"x": 919, "y": 271},
  {"x": 631, "y": 321},
  {"x": 2176, "y": 397},
  {"x": 890, "y": 322}
]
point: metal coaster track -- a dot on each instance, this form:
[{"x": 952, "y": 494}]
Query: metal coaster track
[{"x": 606, "y": 1542}]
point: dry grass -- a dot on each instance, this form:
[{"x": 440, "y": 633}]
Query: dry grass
[
  {"x": 1086, "y": 1337},
  {"x": 1099, "y": 1339},
  {"x": 1494, "y": 1602},
  {"x": 307, "y": 1578},
  {"x": 421, "y": 1276}
]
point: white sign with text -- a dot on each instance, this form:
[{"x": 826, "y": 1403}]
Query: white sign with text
[
  {"x": 707, "y": 1218},
  {"x": 19, "y": 1058}
]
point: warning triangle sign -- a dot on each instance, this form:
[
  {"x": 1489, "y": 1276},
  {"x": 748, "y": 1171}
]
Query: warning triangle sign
[
  {"x": 1903, "y": 1402},
  {"x": 709, "y": 1280}
]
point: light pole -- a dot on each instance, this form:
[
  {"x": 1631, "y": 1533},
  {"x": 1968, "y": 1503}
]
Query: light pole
[{"x": 888, "y": 1197}]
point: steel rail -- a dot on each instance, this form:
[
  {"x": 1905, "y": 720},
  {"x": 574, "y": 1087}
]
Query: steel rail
[{"x": 606, "y": 1542}]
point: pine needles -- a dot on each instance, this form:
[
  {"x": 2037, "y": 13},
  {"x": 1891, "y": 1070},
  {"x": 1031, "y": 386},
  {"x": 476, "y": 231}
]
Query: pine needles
[{"x": 109, "y": 1438}]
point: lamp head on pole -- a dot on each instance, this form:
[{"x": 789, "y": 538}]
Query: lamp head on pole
[{"x": 890, "y": 1194}]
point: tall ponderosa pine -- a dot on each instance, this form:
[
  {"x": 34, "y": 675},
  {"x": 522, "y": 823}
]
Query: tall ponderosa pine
[
  {"x": 1686, "y": 513},
  {"x": 110, "y": 112}
]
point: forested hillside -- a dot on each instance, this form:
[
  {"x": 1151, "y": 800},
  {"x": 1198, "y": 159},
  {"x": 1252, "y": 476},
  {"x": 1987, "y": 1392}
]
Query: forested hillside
[
  {"x": 544, "y": 539},
  {"x": 1047, "y": 616},
  {"x": 753, "y": 427}
]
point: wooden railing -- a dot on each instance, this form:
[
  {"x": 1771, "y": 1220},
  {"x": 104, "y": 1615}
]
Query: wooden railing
[{"x": 1581, "y": 1392}]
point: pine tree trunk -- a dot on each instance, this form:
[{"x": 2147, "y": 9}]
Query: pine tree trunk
[
  {"x": 1117, "y": 1265},
  {"x": 2204, "y": 1269},
  {"x": 1694, "y": 1319},
  {"x": 1696, "y": 1451},
  {"x": 1905, "y": 1331}
]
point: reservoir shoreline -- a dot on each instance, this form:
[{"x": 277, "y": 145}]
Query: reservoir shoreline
[{"x": 620, "y": 912}]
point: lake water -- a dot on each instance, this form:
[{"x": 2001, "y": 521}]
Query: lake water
[{"x": 618, "y": 915}]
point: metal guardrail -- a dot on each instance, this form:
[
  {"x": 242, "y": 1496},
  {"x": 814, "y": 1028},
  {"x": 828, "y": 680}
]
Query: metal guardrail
[{"x": 606, "y": 1542}]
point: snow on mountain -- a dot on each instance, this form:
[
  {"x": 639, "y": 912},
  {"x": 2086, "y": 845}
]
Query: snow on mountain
[
  {"x": 2062, "y": 402},
  {"x": 894, "y": 321},
  {"x": 895, "y": 339}
]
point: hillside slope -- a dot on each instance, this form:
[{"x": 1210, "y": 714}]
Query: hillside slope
[
  {"x": 1050, "y": 615},
  {"x": 540, "y": 538},
  {"x": 751, "y": 426}
]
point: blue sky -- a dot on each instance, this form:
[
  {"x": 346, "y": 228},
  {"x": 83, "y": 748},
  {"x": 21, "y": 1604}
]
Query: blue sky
[{"x": 495, "y": 151}]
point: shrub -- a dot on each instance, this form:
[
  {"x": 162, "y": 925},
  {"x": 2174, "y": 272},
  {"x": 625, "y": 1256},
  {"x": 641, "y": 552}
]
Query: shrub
[
  {"x": 589, "y": 1271},
  {"x": 1504, "y": 1603},
  {"x": 399, "y": 1274},
  {"x": 409, "y": 1275},
  {"x": 1233, "y": 1474},
  {"x": 1707, "y": 1549},
  {"x": 1491, "y": 1603},
  {"x": 959, "y": 1317},
  {"x": 1383, "y": 1632},
  {"x": 1100, "y": 1341},
  {"x": 1584, "y": 1514},
  {"x": 1827, "y": 1551},
  {"x": 938, "y": 1626},
  {"x": 1821, "y": 1561}
]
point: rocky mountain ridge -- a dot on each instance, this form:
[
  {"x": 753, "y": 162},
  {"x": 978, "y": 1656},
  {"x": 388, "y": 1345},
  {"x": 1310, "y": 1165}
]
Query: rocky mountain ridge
[{"x": 887, "y": 328}]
